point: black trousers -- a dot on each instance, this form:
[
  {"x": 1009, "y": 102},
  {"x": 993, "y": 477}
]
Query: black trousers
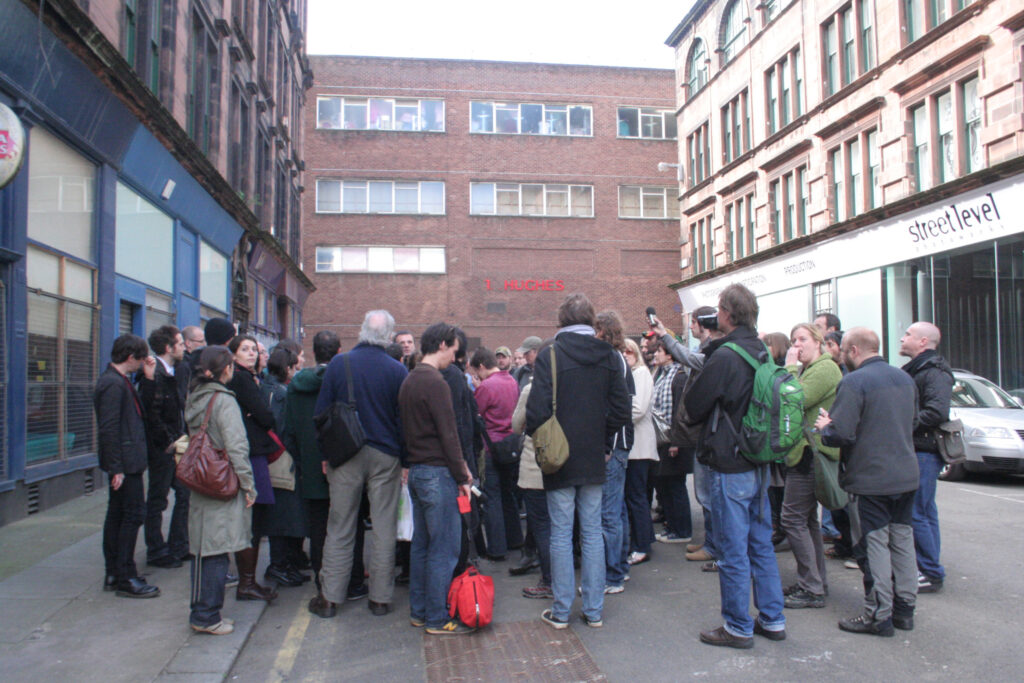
[
  {"x": 126, "y": 511},
  {"x": 161, "y": 481},
  {"x": 318, "y": 510}
]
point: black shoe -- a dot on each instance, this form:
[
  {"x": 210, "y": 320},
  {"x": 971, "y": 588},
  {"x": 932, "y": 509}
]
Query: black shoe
[
  {"x": 722, "y": 638},
  {"x": 136, "y": 588},
  {"x": 496, "y": 558},
  {"x": 301, "y": 562},
  {"x": 109, "y": 583},
  {"x": 801, "y": 598},
  {"x": 528, "y": 564},
  {"x": 865, "y": 624},
  {"x": 357, "y": 592},
  {"x": 281, "y": 577},
  {"x": 403, "y": 578},
  {"x": 379, "y": 609},
  {"x": 322, "y": 607},
  {"x": 927, "y": 584},
  {"x": 903, "y": 623},
  {"x": 186, "y": 557},
  {"x": 165, "y": 562},
  {"x": 297, "y": 575},
  {"x": 770, "y": 635}
]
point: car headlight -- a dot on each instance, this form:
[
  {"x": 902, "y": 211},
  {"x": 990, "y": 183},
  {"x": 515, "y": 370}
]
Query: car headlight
[{"x": 989, "y": 433}]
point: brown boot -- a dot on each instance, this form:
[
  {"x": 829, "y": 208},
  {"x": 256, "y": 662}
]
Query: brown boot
[{"x": 248, "y": 589}]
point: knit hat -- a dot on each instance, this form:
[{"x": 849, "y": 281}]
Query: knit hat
[{"x": 218, "y": 331}]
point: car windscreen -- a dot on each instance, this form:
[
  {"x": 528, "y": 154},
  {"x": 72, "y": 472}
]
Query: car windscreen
[{"x": 976, "y": 392}]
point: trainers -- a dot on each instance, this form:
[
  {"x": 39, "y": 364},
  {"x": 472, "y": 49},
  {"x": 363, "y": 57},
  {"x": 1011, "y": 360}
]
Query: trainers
[
  {"x": 636, "y": 557},
  {"x": 710, "y": 566},
  {"x": 672, "y": 538},
  {"x": 865, "y": 624},
  {"x": 927, "y": 584},
  {"x": 357, "y": 592},
  {"x": 453, "y": 627},
  {"x": 417, "y": 622},
  {"x": 221, "y": 628},
  {"x": 802, "y": 598},
  {"x": 548, "y": 618},
  {"x": 851, "y": 564},
  {"x": 538, "y": 592},
  {"x": 699, "y": 555},
  {"x": 613, "y": 590},
  {"x": 592, "y": 623},
  {"x": 770, "y": 635}
]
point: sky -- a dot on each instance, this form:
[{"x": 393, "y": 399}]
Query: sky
[{"x": 555, "y": 31}]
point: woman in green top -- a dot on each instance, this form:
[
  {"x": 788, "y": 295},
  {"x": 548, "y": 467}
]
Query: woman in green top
[{"x": 819, "y": 377}]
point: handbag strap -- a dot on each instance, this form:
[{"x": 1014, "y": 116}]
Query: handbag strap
[
  {"x": 209, "y": 409},
  {"x": 554, "y": 382},
  {"x": 348, "y": 381}
]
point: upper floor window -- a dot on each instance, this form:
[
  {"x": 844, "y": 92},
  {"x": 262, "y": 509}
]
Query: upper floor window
[
  {"x": 702, "y": 244},
  {"x": 732, "y": 36},
  {"x": 855, "y": 168},
  {"x": 921, "y": 16},
  {"x": 949, "y": 123},
  {"x": 647, "y": 122},
  {"x": 735, "y": 128},
  {"x": 379, "y": 196},
  {"x": 203, "y": 85},
  {"x": 787, "y": 202},
  {"x": 366, "y": 259},
  {"x": 848, "y": 45},
  {"x": 739, "y": 226},
  {"x": 784, "y": 91},
  {"x": 514, "y": 199},
  {"x": 648, "y": 202},
  {"x": 698, "y": 154},
  {"x": 375, "y": 113},
  {"x": 524, "y": 118},
  {"x": 143, "y": 23},
  {"x": 697, "y": 67}
]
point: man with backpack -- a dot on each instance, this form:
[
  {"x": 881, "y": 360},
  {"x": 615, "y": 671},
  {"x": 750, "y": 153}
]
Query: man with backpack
[{"x": 719, "y": 399}]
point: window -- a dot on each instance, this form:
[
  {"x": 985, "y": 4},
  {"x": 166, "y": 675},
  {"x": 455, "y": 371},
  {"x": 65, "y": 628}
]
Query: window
[
  {"x": 648, "y": 202},
  {"x": 360, "y": 259},
  {"x": 525, "y": 118},
  {"x": 838, "y": 174},
  {"x": 732, "y": 36},
  {"x": 511, "y": 199},
  {"x": 945, "y": 129},
  {"x": 698, "y": 154},
  {"x": 372, "y": 113},
  {"x": 783, "y": 91},
  {"x": 646, "y": 122},
  {"x": 697, "y": 68},
  {"x": 61, "y": 191},
  {"x": 874, "y": 170},
  {"x": 143, "y": 23},
  {"x": 848, "y": 49},
  {"x": 739, "y": 225},
  {"x": 240, "y": 142},
  {"x": 913, "y": 21},
  {"x": 203, "y": 85},
  {"x": 922, "y": 156},
  {"x": 855, "y": 166},
  {"x": 821, "y": 293},
  {"x": 787, "y": 202},
  {"x": 972, "y": 126},
  {"x": 735, "y": 128},
  {"x": 702, "y": 244},
  {"x": 379, "y": 196},
  {"x": 144, "y": 242},
  {"x": 213, "y": 277},
  {"x": 920, "y": 16}
]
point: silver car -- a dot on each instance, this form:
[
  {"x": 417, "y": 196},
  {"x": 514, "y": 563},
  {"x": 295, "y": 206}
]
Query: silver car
[{"x": 993, "y": 427}]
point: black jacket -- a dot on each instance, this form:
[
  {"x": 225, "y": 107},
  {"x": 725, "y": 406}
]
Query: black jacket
[
  {"x": 120, "y": 426},
  {"x": 592, "y": 404},
  {"x": 623, "y": 437},
  {"x": 164, "y": 408},
  {"x": 727, "y": 381},
  {"x": 934, "y": 380},
  {"x": 465, "y": 413},
  {"x": 256, "y": 413}
]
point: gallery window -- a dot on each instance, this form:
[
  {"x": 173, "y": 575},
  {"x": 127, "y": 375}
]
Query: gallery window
[
  {"x": 375, "y": 113},
  {"x": 524, "y": 118}
]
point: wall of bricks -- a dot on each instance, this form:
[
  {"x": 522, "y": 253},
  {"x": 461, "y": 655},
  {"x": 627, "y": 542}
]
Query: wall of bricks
[{"x": 623, "y": 264}]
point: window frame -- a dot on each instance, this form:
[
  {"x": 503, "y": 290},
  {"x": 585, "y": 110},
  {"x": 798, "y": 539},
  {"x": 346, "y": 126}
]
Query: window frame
[
  {"x": 353, "y": 102},
  {"x": 783, "y": 105},
  {"x": 698, "y": 154},
  {"x": 925, "y": 140},
  {"x": 367, "y": 196},
  {"x": 735, "y": 122},
  {"x": 551, "y": 193},
  {"x": 730, "y": 45},
  {"x": 544, "y": 120},
  {"x": 669, "y": 195},
  {"x": 702, "y": 243},
  {"x": 847, "y": 45},
  {"x": 667, "y": 116},
  {"x": 337, "y": 256},
  {"x": 697, "y": 76}
]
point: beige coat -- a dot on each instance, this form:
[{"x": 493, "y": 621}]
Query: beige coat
[
  {"x": 530, "y": 476},
  {"x": 221, "y": 526},
  {"x": 645, "y": 443}
]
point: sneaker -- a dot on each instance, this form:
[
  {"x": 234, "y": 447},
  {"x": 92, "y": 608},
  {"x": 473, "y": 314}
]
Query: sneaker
[
  {"x": 231, "y": 580},
  {"x": 637, "y": 558},
  {"x": 625, "y": 578},
  {"x": 851, "y": 564},
  {"x": 416, "y": 622},
  {"x": 613, "y": 590},
  {"x": 548, "y": 618},
  {"x": 453, "y": 627},
  {"x": 927, "y": 584},
  {"x": 592, "y": 623},
  {"x": 221, "y": 628},
  {"x": 710, "y": 566},
  {"x": 801, "y": 599},
  {"x": 699, "y": 555},
  {"x": 672, "y": 538},
  {"x": 538, "y": 592},
  {"x": 357, "y": 592},
  {"x": 865, "y": 624}
]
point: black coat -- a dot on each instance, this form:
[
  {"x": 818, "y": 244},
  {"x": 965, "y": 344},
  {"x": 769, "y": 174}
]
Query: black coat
[
  {"x": 682, "y": 463},
  {"x": 120, "y": 426},
  {"x": 256, "y": 414},
  {"x": 164, "y": 409},
  {"x": 934, "y": 380},
  {"x": 592, "y": 404},
  {"x": 465, "y": 414}
]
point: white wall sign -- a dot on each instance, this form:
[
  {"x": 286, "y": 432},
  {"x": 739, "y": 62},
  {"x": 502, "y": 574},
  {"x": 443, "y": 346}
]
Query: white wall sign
[{"x": 12, "y": 144}]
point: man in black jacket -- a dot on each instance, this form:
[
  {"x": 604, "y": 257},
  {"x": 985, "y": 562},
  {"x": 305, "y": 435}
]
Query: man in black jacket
[
  {"x": 739, "y": 489},
  {"x": 164, "y": 402},
  {"x": 934, "y": 380},
  {"x": 592, "y": 405},
  {"x": 122, "y": 453}
]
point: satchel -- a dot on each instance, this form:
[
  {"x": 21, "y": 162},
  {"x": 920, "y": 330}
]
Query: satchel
[
  {"x": 205, "y": 469},
  {"x": 949, "y": 436},
  {"x": 282, "y": 471},
  {"x": 339, "y": 432},
  {"x": 506, "y": 451},
  {"x": 550, "y": 446},
  {"x": 826, "y": 478}
]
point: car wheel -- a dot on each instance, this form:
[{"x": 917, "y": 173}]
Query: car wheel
[{"x": 955, "y": 472}]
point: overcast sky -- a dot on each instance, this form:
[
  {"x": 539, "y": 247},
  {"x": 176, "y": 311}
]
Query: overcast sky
[{"x": 557, "y": 31}]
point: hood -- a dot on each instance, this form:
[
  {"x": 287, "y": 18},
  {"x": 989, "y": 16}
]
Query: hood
[
  {"x": 308, "y": 381},
  {"x": 926, "y": 359},
  {"x": 198, "y": 398},
  {"x": 583, "y": 349}
]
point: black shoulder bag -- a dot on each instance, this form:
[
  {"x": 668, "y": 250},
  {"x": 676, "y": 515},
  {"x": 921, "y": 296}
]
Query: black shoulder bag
[{"x": 338, "y": 430}]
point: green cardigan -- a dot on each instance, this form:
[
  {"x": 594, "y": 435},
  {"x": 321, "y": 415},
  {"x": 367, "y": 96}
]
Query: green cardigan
[{"x": 819, "y": 381}]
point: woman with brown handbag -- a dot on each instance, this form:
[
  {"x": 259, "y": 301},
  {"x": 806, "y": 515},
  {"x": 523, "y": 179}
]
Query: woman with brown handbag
[{"x": 217, "y": 527}]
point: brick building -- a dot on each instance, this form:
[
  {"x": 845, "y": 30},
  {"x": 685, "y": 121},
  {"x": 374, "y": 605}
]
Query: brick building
[
  {"x": 160, "y": 183},
  {"x": 862, "y": 158},
  {"x": 481, "y": 193}
]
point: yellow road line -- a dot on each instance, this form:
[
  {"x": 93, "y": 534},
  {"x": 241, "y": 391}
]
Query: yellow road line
[{"x": 290, "y": 647}]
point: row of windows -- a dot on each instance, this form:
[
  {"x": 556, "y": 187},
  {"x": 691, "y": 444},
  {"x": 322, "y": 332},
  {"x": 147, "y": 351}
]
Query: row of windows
[
  {"x": 490, "y": 199},
  {"x": 509, "y": 118},
  {"x": 365, "y": 259}
]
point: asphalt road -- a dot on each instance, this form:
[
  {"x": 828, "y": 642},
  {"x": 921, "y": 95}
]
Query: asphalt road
[{"x": 971, "y": 630}]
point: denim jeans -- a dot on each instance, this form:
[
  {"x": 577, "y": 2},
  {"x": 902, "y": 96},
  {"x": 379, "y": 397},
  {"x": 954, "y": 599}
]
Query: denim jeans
[
  {"x": 539, "y": 523},
  {"x": 702, "y": 478},
  {"x": 501, "y": 513},
  {"x": 435, "y": 541},
  {"x": 586, "y": 501},
  {"x": 208, "y": 589},
  {"x": 639, "y": 505},
  {"x": 611, "y": 516},
  {"x": 743, "y": 524},
  {"x": 126, "y": 511},
  {"x": 161, "y": 482},
  {"x": 927, "y": 541},
  {"x": 827, "y": 525}
]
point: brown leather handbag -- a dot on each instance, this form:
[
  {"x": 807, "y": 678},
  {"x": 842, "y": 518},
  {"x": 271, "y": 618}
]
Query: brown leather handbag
[{"x": 205, "y": 469}]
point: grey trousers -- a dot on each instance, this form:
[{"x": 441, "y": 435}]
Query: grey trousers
[
  {"x": 799, "y": 520},
  {"x": 381, "y": 474},
  {"x": 884, "y": 548}
]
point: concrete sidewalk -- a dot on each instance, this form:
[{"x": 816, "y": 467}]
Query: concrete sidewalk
[{"x": 57, "y": 623}]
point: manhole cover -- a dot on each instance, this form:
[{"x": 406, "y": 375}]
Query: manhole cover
[{"x": 520, "y": 651}]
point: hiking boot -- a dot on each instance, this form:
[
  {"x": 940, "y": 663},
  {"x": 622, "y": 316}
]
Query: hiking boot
[
  {"x": 801, "y": 598},
  {"x": 865, "y": 624}
]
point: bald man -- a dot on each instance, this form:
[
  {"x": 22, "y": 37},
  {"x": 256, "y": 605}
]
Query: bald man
[
  {"x": 934, "y": 380},
  {"x": 872, "y": 422}
]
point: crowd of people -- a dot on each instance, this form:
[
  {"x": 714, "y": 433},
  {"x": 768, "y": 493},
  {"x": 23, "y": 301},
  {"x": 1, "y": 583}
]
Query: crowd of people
[{"x": 638, "y": 415}]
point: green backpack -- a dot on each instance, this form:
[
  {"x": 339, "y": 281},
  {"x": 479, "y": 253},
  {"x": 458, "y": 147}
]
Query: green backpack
[{"x": 774, "y": 421}]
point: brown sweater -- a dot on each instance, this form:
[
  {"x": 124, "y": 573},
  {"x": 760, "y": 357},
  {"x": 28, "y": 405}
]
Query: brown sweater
[{"x": 428, "y": 422}]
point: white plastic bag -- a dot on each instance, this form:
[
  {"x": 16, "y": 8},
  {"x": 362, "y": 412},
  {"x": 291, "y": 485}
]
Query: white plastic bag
[{"x": 404, "y": 531}]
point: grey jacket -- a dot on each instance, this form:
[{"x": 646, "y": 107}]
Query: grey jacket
[{"x": 873, "y": 421}]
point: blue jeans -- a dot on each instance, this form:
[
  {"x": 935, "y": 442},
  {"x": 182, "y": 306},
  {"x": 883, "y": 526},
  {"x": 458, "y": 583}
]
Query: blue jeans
[
  {"x": 208, "y": 589},
  {"x": 435, "y": 542},
  {"x": 639, "y": 506},
  {"x": 585, "y": 500},
  {"x": 743, "y": 524},
  {"x": 539, "y": 524},
  {"x": 827, "y": 527},
  {"x": 611, "y": 517},
  {"x": 927, "y": 542},
  {"x": 702, "y": 478}
]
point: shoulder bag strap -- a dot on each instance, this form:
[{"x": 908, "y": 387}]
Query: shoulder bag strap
[
  {"x": 554, "y": 382},
  {"x": 348, "y": 382},
  {"x": 209, "y": 409}
]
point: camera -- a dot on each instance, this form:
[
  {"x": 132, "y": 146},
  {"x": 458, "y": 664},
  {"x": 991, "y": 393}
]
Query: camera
[{"x": 708, "y": 321}]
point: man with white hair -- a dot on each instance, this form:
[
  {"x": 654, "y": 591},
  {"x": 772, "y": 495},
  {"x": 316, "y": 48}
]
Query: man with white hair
[
  {"x": 376, "y": 378},
  {"x": 934, "y": 380}
]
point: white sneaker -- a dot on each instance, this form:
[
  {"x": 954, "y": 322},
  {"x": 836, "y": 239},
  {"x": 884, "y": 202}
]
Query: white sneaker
[
  {"x": 851, "y": 564},
  {"x": 636, "y": 557},
  {"x": 612, "y": 590}
]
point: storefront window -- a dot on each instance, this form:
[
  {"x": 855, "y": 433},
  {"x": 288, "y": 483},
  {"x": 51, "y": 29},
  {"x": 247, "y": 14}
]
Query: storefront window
[
  {"x": 213, "y": 277},
  {"x": 60, "y": 196},
  {"x": 144, "y": 249}
]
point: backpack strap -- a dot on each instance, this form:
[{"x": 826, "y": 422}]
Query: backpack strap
[{"x": 554, "y": 382}]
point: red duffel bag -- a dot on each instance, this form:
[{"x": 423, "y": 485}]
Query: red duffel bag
[{"x": 471, "y": 598}]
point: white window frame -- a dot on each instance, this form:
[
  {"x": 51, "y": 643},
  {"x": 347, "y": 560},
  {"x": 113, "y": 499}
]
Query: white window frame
[
  {"x": 393, "y": 186},
  {"x": 668, "y": 196},
  {"x": 550, "y": 192},
  {"x": 491, "y": 127},
  {"x": 419, "y": 124},
  {"x": 647, "y": 115},
  {"x": 431, "y": 260}
]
